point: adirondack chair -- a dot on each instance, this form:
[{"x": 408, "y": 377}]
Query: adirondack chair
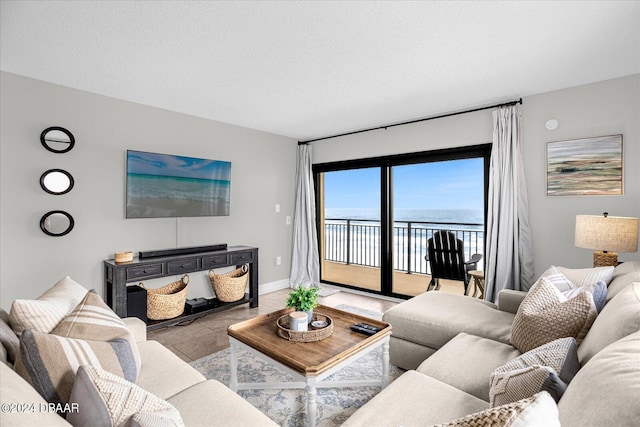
[{"x": 446, "y": 258}]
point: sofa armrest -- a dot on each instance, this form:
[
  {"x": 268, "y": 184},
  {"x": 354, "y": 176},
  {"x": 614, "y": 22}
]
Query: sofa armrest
[
  {"x": 137, "y": 327},
  {"x": 509, "y": 300}
]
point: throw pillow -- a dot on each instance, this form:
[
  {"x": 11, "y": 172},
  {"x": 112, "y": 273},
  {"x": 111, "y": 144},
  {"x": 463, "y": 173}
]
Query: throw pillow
[
  {"x": 93, "y": 320},
  {"x": 107, "y": 400},
  {"x": 549, "y": 367},
  {"x": 539, "y": 410},
  {"x": 545, "y": 315},
  {"x": 49, "y": 362},
  {"x": 588, "y": 279},
  {"x": 8, "y": 338},
  {"x": 585, "y": 276},
  {"x": 558, "y": 279},
  {"x": 45, "y": 312},
  {"x": 597, "y": 290}
]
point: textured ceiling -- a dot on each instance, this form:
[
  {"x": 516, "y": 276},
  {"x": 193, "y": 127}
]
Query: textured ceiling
[{"x": 312, "y": 69}]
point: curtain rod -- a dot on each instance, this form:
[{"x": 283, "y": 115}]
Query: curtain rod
[{"x": 505, "y": 104}]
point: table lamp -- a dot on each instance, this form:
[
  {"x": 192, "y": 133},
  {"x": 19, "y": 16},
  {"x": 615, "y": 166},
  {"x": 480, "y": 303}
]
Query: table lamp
[{"x": 606, "y": 234}]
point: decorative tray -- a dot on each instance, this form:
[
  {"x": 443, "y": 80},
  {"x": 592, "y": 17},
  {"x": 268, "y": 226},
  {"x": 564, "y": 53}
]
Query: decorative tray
[{"x": 311, "y": 335}]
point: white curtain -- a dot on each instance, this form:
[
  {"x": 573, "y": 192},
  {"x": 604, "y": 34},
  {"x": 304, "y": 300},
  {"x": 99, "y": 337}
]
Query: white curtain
[
  {"x": 509, "y": 249},
  {"x": 305, "y": 269}
]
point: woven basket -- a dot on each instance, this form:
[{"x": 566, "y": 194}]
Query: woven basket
[
  {"x": 230, "y": 287},
  {"x": 168, "y": 301},
  {"x": 305, "y": 336}
]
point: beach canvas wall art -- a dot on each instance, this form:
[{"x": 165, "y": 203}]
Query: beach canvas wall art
[
  {"x": 585, "y": 167},
  {"x": 163, "y": 185}
]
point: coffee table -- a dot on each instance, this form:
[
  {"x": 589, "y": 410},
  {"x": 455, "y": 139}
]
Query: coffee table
[{"x": 308, "y": 363}]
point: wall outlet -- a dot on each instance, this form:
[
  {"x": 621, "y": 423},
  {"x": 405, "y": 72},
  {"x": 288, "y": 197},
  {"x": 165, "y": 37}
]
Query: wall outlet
[{"x": 278, "y": 260}]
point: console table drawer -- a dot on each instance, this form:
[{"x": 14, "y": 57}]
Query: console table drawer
[
  {"x": 214, "y": 261},
  {"x": 182, "y": 266},
  {"x": 241, "y": 258},
  {"x": 144, "y": 271}
]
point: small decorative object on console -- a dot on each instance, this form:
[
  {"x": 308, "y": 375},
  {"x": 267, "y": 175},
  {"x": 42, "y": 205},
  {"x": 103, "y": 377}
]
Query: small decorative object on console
[{"x": 126, "y": 256}]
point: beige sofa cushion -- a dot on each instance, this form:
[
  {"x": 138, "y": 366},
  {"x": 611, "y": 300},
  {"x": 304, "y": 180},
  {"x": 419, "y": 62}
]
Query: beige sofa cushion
[
  {"x": 104, "y": 399},
  {"x": 467, "y": 361},
  {"x": 624, "y": 274},
  {"x": 45, "y": 312},
  {"x": 545, "y": 315},
  {"x": 163, "y": 373},
  {"x": 15, "y": 390},
  {"x": 8, "y": 338},
  {"x": 606, "y": 391},
  {"x": 416, "y": 399},
  {"x": 619, "y": 318},
  {"x": 539, "y": 410},
  {"x": 222, "y": 406},
  {"x": 619, "y": 283},
  {"x": 433, "y": 318}
]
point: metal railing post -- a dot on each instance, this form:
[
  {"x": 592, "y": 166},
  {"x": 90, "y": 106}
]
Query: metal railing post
[{"x": 348, "y": 241}]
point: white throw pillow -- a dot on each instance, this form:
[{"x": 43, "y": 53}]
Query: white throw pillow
[
  {"x": 537, "y": 411},
  {"x": 106, "y": 399},
  {"x": 44, "y": 313}
]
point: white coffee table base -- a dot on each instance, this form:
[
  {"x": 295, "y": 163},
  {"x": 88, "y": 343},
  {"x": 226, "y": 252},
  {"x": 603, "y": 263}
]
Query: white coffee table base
[{"x": 309, "y": 384}]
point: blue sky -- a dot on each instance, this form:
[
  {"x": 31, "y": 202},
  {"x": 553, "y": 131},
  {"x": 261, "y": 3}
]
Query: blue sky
[
  {"x": 140, "y": 162},
  {"x": 455, "y": 184}
]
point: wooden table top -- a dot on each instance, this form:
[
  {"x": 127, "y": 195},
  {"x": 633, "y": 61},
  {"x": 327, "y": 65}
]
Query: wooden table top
[{"x": 313, "y": 358}]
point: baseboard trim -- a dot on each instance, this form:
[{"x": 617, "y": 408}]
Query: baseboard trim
[{"x": 266, "y": 288}]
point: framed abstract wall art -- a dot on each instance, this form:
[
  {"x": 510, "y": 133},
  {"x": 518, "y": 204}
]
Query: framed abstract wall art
[{"x": 585, "y": 167}]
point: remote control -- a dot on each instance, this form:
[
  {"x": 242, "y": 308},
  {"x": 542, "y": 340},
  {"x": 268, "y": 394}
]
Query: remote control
[{"x": 365, "y": 328}]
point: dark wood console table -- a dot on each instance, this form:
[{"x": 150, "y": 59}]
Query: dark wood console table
[{"x": 117, "y": 275}]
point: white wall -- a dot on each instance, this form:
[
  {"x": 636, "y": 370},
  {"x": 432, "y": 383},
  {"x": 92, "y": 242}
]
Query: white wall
[
  {"x": 598, "y": 109},
  {"x": 263, "y": 173}
]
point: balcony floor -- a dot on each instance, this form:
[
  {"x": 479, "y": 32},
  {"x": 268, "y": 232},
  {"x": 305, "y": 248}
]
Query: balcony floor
[{"x": 369, "y": 278}]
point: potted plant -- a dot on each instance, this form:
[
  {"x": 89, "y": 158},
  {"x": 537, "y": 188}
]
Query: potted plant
[{"x": 304, "y": 299}]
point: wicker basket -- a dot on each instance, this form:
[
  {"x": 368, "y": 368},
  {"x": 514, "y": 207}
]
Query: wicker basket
[
  {"x": 305, "y": 336},
  {"x": 168, "y": 301},
  {"x": 230, "y": 287}
]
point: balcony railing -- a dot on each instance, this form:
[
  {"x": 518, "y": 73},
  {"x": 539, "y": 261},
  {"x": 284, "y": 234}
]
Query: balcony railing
[{"x": 357, "y": 241}]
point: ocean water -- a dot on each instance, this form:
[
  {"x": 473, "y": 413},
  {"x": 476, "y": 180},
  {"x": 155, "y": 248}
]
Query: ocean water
[
  {"x": 361, "y": 245},
  {"x": 453, "y": 216},
  {"x": 169, "y": 187}
]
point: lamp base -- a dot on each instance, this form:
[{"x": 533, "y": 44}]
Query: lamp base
[{"x": 605, "y": 259}]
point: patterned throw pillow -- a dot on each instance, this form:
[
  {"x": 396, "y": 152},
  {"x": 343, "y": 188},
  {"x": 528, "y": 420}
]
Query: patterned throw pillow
[
  {"x": 545, "y": 315},
  {"x": 44, "y": 313},
  {"x": 49, "y": 362},
  {"x": 539, "y": 410},
  {"x": 593, "y": 280},
  {"x": 93, "y": 320},
  {"x": 557, "y": 279},
  {"x": 549, "y": 367},
  {"x": 587, "y": 276},
  {"x": 107, "y": 400}
]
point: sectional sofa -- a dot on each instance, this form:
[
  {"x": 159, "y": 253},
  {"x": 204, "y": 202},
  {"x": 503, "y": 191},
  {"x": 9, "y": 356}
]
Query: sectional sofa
[
  {"x": 167, "y": 391},
  {"x": 468, "y": 360}
]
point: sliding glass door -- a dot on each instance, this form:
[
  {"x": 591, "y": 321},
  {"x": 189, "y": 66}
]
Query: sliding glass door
[
  {"x": 350, "y": 233},
  {"x": 431, "y": 196},
  {"x": 376, "y": 215}
]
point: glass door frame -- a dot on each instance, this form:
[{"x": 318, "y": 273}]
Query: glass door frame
[{"x": 386, "y": 163}]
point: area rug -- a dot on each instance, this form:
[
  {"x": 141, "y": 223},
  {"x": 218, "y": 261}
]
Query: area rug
[{"x": 287, "y": 407}]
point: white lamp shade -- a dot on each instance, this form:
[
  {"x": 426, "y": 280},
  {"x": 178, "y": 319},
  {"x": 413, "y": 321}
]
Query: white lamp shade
[{"x": 607, "y": 233}]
